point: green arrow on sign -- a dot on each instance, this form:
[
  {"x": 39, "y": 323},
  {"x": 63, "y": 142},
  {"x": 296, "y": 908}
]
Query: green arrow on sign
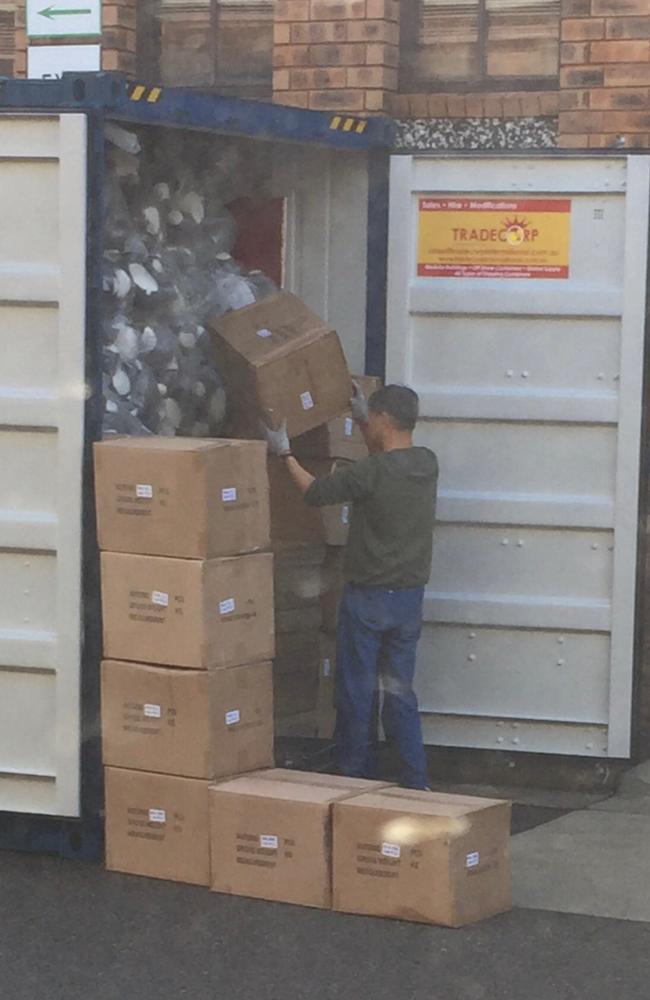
[{"x": 52, "y": 12}]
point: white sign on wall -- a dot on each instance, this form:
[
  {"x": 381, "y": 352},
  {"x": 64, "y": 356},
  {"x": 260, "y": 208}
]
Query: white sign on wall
[
  {"x": 47, "y": 62},
  {"x": 61, "y": 18}
]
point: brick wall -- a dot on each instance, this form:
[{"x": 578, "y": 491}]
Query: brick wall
[
  {"x": 500, "y": 104},
  {"x": 336, "y": 56},
  {"x": 605, "y": 73}
]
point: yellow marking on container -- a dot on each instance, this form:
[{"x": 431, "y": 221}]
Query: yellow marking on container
[
  {"x": 154, "y": 95},
  {"x": 336, "y": 122},
  {"x": 138, "y": 92},
  {"x": 347, "y": 125},
  {"x": 361, "y": 127}
]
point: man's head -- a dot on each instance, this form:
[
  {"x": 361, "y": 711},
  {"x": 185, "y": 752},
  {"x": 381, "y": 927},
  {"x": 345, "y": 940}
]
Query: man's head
[{"x": 393, "y": 414}]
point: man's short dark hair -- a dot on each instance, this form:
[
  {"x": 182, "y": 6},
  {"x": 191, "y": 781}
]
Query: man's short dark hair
[{"x": 399, "y": 403}]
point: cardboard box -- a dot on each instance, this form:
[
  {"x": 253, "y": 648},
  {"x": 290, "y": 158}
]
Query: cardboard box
[
  {"x": 284, "y": 362},
  {"x": 186, "y": 612},
  {"x": 271, "y": 835},
  {"x": 294, "y": 522},
  {"x": 182, "y": 496},
  {"x": 333, "y": 584},
  {"x": 340, "y": 437},
  {"x": 422, "y": 856},
  {"x": 157, "y": 825},
  {"x": 298, "y": 576},
  {"x": 192, "y": 723},
  {"x": 326, "y": 672}
]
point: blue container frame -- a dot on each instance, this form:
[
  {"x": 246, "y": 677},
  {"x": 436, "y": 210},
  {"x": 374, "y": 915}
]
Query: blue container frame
[{"x": 111, "y": 97}]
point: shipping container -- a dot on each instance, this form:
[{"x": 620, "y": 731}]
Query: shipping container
[
  {"x": 530, "y": 368},
  {"x": 329, "y": 171}
]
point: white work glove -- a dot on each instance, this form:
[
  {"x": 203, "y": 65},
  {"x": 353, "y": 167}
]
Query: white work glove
[
  {"x": 359, "y": 404},
  {"x": 278, "y": 441}
]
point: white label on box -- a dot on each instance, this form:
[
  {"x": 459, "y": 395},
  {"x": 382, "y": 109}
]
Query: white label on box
[
  {"x": 232, "y": 718},
  {"x": 473, "y": 860},
  {"x": 345, "y": 514},
  {"x": 144, "y": 491},
  {"x": 157, "y": 816},
  {"x": 266, "y": 840},
  {"x": 307, "y": 401},
  {"x": 227, "y": 607},
  {"x": 152, "y": 711},
  {"x": 229, "y": 495},
  {"x": 391, "y": 850},
  {"x": 349, "y": 427},
  {"x": 327, "y": 667},
  {"x": 160, "y": 598},
  {"x": 264, "y": 333}
]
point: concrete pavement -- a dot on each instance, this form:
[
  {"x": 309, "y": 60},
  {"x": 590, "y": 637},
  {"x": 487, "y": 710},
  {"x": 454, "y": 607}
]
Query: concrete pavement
[
  {"x": 70, "y": 931},
  {"x": 594, "y": 861}
]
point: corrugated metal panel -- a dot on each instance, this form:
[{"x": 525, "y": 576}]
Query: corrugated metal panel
[
  {"x": 531, "y": 396},
  {"x": 42, "y": 321}
]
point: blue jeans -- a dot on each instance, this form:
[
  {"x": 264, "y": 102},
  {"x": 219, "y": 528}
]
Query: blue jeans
[{"x": 377, "y": 637}]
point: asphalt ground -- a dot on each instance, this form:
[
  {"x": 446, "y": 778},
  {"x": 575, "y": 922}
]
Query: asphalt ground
[{"x": 71, "y": 931}]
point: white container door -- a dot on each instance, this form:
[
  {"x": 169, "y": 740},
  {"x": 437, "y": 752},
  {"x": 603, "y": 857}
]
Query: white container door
[
  {"x": 42, "y": 307},
  {"x": 517, "y": 296}
]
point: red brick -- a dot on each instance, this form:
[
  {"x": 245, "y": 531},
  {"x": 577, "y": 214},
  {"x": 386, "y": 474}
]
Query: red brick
[
  {"x": 549, "y": 102},
  {"x": 114, "y": 15},
  {"x": 293, "y": 98},
  {"x": 436, "y": 105},
  {"x": 456, "y": 106},
  {"x": 630, "y": 75},
  {"x": 628, "y": 27},
  {"x": 620, "y": 7},
  {"x": 628, "y": 121},
  {"x": 581, "y": 76},
  {"x": 336, "y": 100},
  {"x": 381, "y": 77},
  {"x": 474, "y": 106},
  {"x": 599, "y": 141},
  {"x": 620, "y": 52},
  {"x": 387, "y": 10},
  {"x": 320, "y": 32},
  {"x": 620, "y": 98},
  {"x": 571, "y": 100},
  {"x": 418, "y": 105},
  {"x": 291, "y": 55},
  {"x": 576, "y": 8},
  {"x": 318, "y": 79},
  {"x": 282, "y": 79},
  {"x": 338, "y": 55},
  {"x": 577, "y": 53},
  {"x": 376, "y": 100},
  {"x": 373, "y": 31},
  {"x": 493, "y": 106},
  {"x": 572, "y": 122},
  {"x": 582, "y": 29},
  {"x": 337, "y": 10},
  {"x": 281, "y": 34},
  {"x": 118, "y": 62},
  {"x": 530, "y": 107},
  {"x": 291, "y": 10},
  {"x": 381, "y": 54},
  {"x": 573, "y": 141},
  {"x": 399, "y": 105}
]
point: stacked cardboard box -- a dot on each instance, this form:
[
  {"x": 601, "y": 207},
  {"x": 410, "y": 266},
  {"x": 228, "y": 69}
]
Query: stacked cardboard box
[{"x": 187, "y": 595}]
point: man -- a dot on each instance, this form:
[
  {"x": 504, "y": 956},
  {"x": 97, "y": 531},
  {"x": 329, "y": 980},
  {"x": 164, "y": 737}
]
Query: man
[{"x": 387, "y": 564}]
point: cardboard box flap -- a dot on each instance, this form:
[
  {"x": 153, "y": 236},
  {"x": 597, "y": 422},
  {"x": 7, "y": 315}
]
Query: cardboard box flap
[
  {"x": 335, "y": 782},
  {"x": 157, "y": 443},
  {"x": 435, "y": 804},
  {"x": 270, "y": 329},
  {"x": 256, "y": 786}
]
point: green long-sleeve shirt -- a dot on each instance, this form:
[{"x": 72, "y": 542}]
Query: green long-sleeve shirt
[{"x": 391, "y": 528}]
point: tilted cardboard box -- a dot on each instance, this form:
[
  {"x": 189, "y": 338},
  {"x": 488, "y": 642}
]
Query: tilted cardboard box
[{"x": 283, "y": 363}]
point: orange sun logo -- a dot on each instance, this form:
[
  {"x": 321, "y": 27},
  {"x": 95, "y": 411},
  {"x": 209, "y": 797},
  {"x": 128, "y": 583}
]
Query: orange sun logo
[{"x": 515, "y": 231}]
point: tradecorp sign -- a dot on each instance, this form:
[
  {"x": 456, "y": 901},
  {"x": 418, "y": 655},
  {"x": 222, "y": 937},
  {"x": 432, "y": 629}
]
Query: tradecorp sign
[
  {"x": 488, "y": 237},
  {"x": 65, "y": 18}
]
